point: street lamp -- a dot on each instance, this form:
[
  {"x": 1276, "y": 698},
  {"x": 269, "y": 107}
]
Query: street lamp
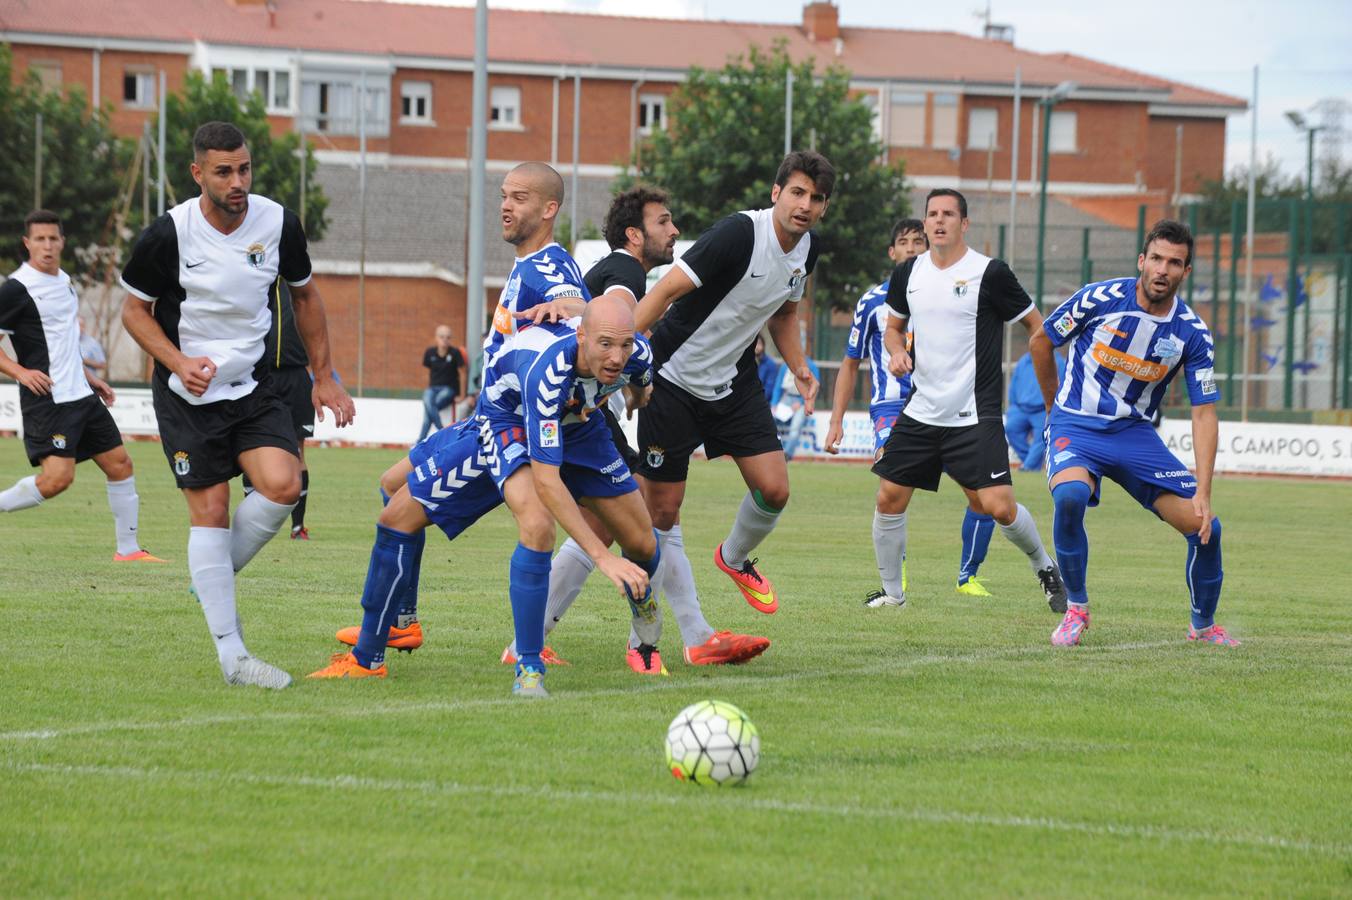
[
  {"x": 1053, "y": 97},
  {"x": 1299, "y": 121}
]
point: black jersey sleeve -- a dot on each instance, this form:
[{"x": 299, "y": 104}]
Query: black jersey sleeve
[
  {"x": 618, "y": 269},
  {"x": 1002, "y": 290},
  {"x": 814, "y": 243},
  {"x": 725, "y": 249},
  {"x": 896, "y": 287},
  {"x": 293, "y": 254},
  {"x": 152, "y": 270},
  {"x": 14, "y": 302}
]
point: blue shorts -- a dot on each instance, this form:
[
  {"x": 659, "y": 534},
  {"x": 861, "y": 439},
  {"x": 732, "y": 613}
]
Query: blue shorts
[
  {"x": 591, "y": 467},
  {"x": 1134, "y": 457},
  {"x": 884, "y": 416},
  {"x": 451, "y": 477}
]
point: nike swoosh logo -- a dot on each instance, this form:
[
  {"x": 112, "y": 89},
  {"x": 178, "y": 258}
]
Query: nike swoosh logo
[
  {"x": 754, "y": 275},
  {"x": 998, "y": 474},
  {"x": 196, "y": 264},
  {"x": 913, "y": 290}
]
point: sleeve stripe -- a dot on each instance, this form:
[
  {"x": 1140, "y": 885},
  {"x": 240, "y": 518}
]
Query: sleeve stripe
[
  {"x": 303, "y": 282},
  {"x": 622, "y": 287},
  {"x": 135, "y": 293},
  {"x": 685, "y": 267},
  {"x": 1031, "y": 307}
]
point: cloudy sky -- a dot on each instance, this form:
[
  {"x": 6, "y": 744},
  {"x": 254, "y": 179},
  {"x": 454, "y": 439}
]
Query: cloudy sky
[{"x": 1303, "y": 48}]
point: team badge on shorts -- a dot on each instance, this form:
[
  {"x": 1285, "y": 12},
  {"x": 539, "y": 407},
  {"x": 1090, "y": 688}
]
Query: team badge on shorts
[
  {"x": 255, "y": 255},
  {"x": 959, "y": 288},
  {"x": 181, "y": 464},
  {"x": 59, "y": 441},
  {"x": 655, "y": 457}
]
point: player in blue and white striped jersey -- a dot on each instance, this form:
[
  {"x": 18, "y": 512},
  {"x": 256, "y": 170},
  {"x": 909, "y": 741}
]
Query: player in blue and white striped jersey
[
  {"x": 1130, "y": 338},
  {"x": 888, "y": 396}
]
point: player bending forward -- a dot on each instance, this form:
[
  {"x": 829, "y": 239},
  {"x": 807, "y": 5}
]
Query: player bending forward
[{"x": 1131, "y": 336}]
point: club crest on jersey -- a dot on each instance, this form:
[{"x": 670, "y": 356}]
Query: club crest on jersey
[
  {"x": 1168, "y": 347},
  {"x": 549, "y": 433},
  {"x": 181, "y": 464},
  {"x": 59, "y": 441},
  {"x": 960, "y": 288},
  {"x": 796, "y": 279},
  {"x": 255, "y": 255},
  {"x": 655, "y": 457}
]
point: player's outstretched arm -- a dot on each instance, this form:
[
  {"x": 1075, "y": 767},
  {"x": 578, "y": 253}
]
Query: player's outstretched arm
[
  {"x": 673, "y": 286},
  {"x": 195, "y": 372},
  {"x": 783, "y": 328},
  {"x": 313, "y": 326},
  {"x": 559, "y": 501},
  {"x": 840, "y": 401},
  {"x": 1044, "y": 365},
  {"x": 894, "y": 339},
  {"x": 1205, "y": 437},
  {"x": 555, "y": 310}
]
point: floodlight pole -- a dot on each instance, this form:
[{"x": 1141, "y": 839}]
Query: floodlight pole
[
  {"x": 478, "y": 172},
  {"x": 1059, "y": 93}
]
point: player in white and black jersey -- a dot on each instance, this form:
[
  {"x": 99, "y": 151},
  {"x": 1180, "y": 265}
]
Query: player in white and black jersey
[
  {"x": 64, "y": 405},
  {"x": 957, "y": 302},
  {"x": 199, "y": 280},
  {"x": 745, "y": 272}
]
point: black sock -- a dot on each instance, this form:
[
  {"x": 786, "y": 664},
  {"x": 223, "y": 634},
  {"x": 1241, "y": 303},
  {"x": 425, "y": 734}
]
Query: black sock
[{"x": 298, "y": 514}]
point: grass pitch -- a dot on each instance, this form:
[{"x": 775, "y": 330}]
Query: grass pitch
[{"x": 945, "y": 748}]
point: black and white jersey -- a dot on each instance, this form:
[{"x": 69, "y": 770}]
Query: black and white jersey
[
  {"x": 285, "y": 349},
  {"x": 211, "y": 290},
  {"x": 40, "y": 313},
  {"x": 742, "y": 277},
  {"x": 618, "y": 269},
  {"x": 958, "y": 315}
]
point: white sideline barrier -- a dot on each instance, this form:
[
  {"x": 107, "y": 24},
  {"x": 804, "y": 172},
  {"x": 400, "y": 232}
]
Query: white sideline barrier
[{"x": 1254, "y": 448}]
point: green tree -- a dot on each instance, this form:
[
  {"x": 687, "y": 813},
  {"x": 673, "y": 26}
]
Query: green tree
[
  {"x": 1324, "y": 228},
  {"x": 724, "y": 139},
  {"x": 276, "y": 158},
  {"x": 84, "y": 165}
]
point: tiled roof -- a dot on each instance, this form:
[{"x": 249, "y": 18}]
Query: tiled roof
[{"x": 572, "y": 39}]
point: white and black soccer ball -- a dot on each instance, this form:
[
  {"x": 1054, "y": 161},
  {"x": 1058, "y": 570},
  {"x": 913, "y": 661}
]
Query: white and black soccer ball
[{"x": 712, "y": 743}]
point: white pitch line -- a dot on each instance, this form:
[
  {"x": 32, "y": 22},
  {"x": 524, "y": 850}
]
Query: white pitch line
[
  {"x": 733, "y": 799},
  {"x": 651, "y": 685}
]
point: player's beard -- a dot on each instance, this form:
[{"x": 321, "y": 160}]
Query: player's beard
[
  {"x": 520, "y": 230},
  {"x": 656, "y": 253},
  {"x": 223, "y": 204},
  {"x": 1169, "y": 291}
]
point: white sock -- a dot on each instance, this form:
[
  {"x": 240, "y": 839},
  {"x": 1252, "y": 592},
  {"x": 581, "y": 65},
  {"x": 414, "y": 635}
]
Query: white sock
[
  {"x": 676, "y": 580},
  {"x": 257, "y": 520},
  {"x": 125, "y": 504},
  {"x": 214, "y": 580},
  {"x": 23, "y": 495},
  {"x": 1022, "y": 533},
  {"x": 752, "y": 525},
  {"x": 889, "y": 548},
  {"x": 567, "y": 573}
]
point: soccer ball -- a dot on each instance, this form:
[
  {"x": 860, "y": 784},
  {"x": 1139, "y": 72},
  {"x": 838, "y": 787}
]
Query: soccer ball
[{"x": 712, "y": 743}]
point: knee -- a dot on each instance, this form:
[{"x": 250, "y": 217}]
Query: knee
[
  {"x": 49, "y": 484},
  {"x": 284, "y": 490},
  {"x": 775, "y": 496},
  {"x": 392, "y": 481},
  {"x": 664, "y": 512},
  {"x": 891, "y": 502},
  {"x": 1002, "y": 511},
  {"x": 644, "y": 547},
  {"x": 1070, "y": 499},
  {"x": 536, "y": 529}
]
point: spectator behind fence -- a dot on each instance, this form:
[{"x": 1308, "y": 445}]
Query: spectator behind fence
[
  {"x": 786, "y": 402},
  {"x": 766, "y": 367},
  {"x": 91, "y": 352},
  {"x": 443, "y": 362},
  {"x": 1027, "y": 416}
]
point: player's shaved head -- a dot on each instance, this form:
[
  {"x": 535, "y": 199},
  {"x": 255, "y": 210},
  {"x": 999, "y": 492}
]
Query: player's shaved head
[
  {"x": 542, "y": 178},
  {"x": 608, "y": 311}
]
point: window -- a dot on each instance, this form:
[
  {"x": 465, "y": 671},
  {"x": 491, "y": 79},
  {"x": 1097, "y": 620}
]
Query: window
[
  {"x": 273, "y": 85},
  {"x": 138, "y": 89},
  {"x": 329, "y": 104},
  {"x": 872, "y": 101},
  {"x": 652, "y": 109},
  {"x": 48, "y": 72},
  {"x": 906, "y": 123},
  {"x": 505, "y": 103},
  {"x": 945, "y": 122},
  {"x": 415, "y": 99},
  {"x": 1062, "y": 137},
  {"x": 981, "y": 129}
]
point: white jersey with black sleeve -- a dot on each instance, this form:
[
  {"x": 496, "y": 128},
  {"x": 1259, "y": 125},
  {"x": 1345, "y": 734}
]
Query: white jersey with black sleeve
[
  {"x": 958, "y": 315},
  {"x": 211, "y": 290},
  {"x": 742, "y": 277}
]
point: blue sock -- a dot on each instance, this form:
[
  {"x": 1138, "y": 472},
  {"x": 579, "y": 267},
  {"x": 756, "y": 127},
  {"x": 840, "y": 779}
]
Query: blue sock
[
  {"x": 384, "y": 498},
  {"x": 647, "y": 565},
  {"x": 529, "y": 589},
  {"x": 1071, "y": 498},
  {"x": 1204, "y": 576},
  {"x": 389, "y": 575},
  {"x": 408, "y": 606},
  {"x": 976, "y": 540}
]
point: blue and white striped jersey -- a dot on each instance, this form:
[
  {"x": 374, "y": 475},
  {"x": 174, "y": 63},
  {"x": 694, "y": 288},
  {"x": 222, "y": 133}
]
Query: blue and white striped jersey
[
  {"x": 535, "y": 385},
  {"x": 1123, "y": 358},
  {"x": 549, "y": 274},
  {"x": 866, "y": 338}
]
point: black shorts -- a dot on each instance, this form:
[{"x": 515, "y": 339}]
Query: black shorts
[
  {"x": 915, "y": 455},
  {"x": 675, "y": 422},
  {"x": 627, "y": 453},
  {"x": 203, "y": 443},
  {"x": 77, "y": 430},
  {"x": 294, "y": 385}
]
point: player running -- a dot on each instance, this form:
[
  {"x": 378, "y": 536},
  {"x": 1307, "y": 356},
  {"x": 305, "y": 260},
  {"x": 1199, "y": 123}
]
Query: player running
[
  {"x": 64, "y": 405},
  {"x": 538, "y": 445},
  {"x": 889, "y": 396},
  {"x": 1131, "y": 336},
  {"x": 957, "y": 302},
  {"x": 198, "y": 282},
  {"x": 746, "y": 272}
]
